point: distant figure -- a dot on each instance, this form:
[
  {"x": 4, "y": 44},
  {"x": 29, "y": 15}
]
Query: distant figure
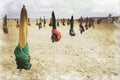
[
  {"x": 40, "y": 24},
  {"x": 63, "y": 22},
  {"x": 86, "y": 26},
  {"x": 112, "y": 20},
  {"x": 68, "y": 21},
  {"x": 90, "y": 22},
  {"x": 86, "y": 23},
  {"x": 81, "y": 19},
  {"x": 5, "y": 29},
  {"x": 71, "y": 32},
  {"x": 36, "y": 21},
  {"x": 44, "y": 22},
  {"x": 99, "y": 21},
  {"x": 56, "y": 35},
  {"x": 50, "y": 24},
  {"x": 17, "y": 25},
  {"x": 81, "y": 28},
  {"x": 58, "y": 22}
]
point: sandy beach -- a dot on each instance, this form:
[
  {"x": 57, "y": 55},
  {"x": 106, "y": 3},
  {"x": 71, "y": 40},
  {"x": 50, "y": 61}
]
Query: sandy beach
[{"x": 93, "y": 55}]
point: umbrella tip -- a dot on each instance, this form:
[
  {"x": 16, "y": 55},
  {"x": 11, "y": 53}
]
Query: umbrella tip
[
  {"x": 72, "y": 17},
  {"x": 52, "y": 12},
  {"x": 23, "y": 6}
]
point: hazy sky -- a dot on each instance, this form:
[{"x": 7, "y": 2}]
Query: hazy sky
[{"x": 62, "y": 8}]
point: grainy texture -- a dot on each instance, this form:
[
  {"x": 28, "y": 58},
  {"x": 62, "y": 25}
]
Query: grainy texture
[{"x": 93, "y": 55}]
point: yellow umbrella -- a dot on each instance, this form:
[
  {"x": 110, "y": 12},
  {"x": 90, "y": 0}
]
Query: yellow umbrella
[{"x": 22, "y": 50}]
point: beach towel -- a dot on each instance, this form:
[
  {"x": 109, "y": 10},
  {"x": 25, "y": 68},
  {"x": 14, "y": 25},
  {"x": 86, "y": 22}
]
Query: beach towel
[
  {"x": 81, "y": 28},
  {"x": 22, "y": 59},
  {"x": 5, "y": 29},
  {"x": 71, "y": 32},
  {"x": 56, "y": 35}
]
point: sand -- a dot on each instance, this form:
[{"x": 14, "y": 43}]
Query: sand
[{"x": 93, "y": 55}]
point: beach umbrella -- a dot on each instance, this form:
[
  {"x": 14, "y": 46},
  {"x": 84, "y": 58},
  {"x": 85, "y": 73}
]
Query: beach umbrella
[
  {"x": 68, "y": 22},
  {"x": 58, "y": 23},
  {"x": 63, "y": 22},
  {"x": 5, "y": 21},
  {"x": 53, "y": 21},
  {"x": 17, "y": 25},
  {"x": 71, "y": 31},
  {"x": 81, "y": 19},
  {"x": 50, "y": 24},
  {"x": 81, "y": 28},
  {"x": 86, "y": 23},
  {"x": 5, "y": 29},
  {"x": 90, "y": 22},
  {"x": 22, "y": 50},
  {"x": 29, "y": 21},
  {"x": 44, "y": 21},
  {"x": 40, "y": 24},
  {"x": 86, "y": 26},
  {"x": 56, "y": 35},
  {"x": 36, "y": 21},
  {"x": 17, "y": 21}
]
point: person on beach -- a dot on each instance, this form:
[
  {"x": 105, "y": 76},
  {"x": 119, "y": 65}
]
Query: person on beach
[
  {"x": 71, "y": 31},
  {"x": 5, "y": 29},
  {"x": 56, "y": 35}
]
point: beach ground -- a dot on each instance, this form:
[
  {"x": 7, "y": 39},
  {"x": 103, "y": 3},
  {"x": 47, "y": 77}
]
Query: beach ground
[{"x": 93, "y": 55}]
